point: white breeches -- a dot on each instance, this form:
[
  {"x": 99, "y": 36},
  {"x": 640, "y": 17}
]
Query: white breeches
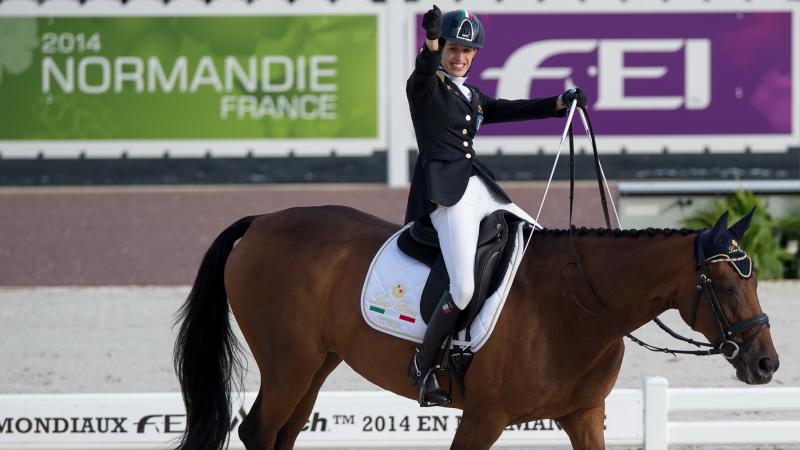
[{"x": 458, "y": 227}]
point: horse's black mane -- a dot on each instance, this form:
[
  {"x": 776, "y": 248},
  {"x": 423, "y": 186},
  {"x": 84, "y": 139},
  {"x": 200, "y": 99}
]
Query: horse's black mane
[{"x": 616, "y": 232}]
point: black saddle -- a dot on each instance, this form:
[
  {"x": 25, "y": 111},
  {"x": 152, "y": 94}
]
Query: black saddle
[{"x": 421, "y": 242}]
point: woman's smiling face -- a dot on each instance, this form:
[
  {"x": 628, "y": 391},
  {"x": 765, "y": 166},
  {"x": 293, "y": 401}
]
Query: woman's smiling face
[{"x": 457, "y": 58}]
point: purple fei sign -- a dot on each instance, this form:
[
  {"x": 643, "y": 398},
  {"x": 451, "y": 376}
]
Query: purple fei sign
[{"x": 681, "y": 80}]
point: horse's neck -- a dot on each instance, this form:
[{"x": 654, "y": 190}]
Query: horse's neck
[{"x": 635, "y": 279}]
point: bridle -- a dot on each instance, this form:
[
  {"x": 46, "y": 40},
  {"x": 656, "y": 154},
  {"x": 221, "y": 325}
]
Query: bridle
[{"x": 725, "y": 344}]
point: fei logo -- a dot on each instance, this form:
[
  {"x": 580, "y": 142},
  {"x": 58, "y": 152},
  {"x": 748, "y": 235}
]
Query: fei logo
[{"x": 524, "y": 66}]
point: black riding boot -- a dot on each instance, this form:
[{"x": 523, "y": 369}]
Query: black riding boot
[{"x": 421, "y": 369}]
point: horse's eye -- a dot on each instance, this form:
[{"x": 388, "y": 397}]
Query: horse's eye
[{"x": 729, "y": 290}]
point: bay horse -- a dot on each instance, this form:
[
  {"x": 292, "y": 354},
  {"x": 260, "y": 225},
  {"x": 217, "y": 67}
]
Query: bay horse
[{"x": 293, "y": 282}]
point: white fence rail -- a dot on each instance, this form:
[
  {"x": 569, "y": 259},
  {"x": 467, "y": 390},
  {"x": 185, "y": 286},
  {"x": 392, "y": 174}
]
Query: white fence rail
[
  {"x": 381, "y": 419},
  {"x": 660, "y": 401}
]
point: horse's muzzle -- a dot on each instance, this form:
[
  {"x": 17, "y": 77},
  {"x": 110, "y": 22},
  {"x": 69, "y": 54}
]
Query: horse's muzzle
[{"x": 756, "y": 367}]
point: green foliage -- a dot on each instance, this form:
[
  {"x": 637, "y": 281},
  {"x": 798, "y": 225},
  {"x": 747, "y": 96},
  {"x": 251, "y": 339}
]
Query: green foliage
[
  {"x": 761, "y": 241},
  {"x": 790, "y": 231},
  {"x": 790, "y": 226}
]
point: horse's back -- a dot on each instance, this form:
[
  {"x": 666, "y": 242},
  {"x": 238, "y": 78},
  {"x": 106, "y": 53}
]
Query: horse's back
[
  {"x": 314, "y": 229},
  {"x": 322, "y": 222}
]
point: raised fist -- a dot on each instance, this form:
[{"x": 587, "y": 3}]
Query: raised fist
[{"x": 432, "y": 23}]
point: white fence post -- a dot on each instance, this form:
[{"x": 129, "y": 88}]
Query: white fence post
[
  {"x": 399, "y": 120},
  {"x": 655, "y": 413}
]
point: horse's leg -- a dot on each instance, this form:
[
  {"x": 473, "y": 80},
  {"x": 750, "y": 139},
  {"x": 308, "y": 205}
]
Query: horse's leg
[
  {"x": 479, "y": 429},
  {"x": 283, "y": 386},
  {"x": 249, "y": 430},
  {"x": 288, "y": 434},
  {"x": 585, "y": 428}
]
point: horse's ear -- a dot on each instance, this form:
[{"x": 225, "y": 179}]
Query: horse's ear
[
  {"x": 739, "y": 228},
  {"x": 719, "y": 228}
]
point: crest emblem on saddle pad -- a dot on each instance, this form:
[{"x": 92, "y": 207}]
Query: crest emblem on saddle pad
[{"x": 398, "y": 291}]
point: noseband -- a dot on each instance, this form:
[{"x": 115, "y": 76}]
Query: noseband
[{"x": 725, "y": 344}]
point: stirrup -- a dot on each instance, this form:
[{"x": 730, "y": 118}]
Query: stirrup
[{"x": 424, "y": 400}]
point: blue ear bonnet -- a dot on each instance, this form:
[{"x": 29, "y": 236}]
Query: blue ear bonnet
[{"x": 726, "y": 248}]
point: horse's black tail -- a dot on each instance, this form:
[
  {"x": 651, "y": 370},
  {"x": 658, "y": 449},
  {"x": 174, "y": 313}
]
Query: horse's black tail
[{"x": 207, "y": 354}]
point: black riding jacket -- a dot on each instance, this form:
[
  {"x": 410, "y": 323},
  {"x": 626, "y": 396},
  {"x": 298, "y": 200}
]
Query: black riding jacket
[{"x": 445, "y": 123}]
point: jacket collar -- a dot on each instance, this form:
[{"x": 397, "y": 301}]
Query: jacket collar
[{"x": 447, "y": 79}]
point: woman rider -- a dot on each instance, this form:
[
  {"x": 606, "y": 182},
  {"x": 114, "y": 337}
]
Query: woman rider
[{"x": 449, "y": 183}]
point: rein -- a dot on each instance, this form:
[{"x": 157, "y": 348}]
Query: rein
[{"x": 725, "y": 345}]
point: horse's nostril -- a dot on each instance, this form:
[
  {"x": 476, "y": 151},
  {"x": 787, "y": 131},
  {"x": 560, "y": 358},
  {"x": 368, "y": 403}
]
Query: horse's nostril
[{"x": 765, "y": 366}]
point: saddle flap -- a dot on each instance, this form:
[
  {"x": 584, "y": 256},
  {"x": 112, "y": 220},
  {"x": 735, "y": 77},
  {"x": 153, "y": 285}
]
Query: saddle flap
[
  {"x": 492, "y": 246},
  {"x": 492, "y": 227}
]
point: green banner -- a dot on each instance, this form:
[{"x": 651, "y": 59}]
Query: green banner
[{"x": 188, "y": 77}]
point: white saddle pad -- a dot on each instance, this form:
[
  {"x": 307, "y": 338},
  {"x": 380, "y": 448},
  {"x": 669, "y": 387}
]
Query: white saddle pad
[{"x": 393, "y": 288}]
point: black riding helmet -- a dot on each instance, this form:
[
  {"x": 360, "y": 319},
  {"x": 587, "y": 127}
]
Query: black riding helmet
[{"x": 462, "y": 27}]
